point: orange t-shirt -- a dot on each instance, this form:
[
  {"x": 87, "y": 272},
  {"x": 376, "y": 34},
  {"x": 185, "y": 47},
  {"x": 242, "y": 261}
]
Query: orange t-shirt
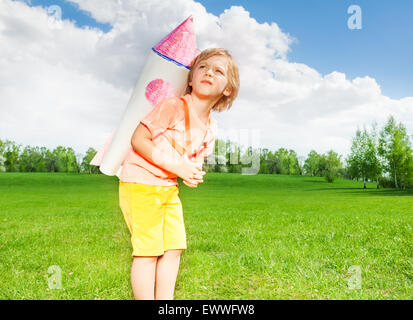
[{"x": 167, "y": 118}]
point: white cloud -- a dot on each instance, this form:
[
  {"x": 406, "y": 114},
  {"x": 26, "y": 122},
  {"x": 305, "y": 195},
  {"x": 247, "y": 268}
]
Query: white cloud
[{"x": 69, "y": 85}]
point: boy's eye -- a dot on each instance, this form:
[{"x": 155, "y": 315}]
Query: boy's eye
[{"x": 220, "y": 71}]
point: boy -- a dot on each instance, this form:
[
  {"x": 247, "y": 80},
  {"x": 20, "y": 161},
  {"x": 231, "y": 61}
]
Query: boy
[{"x": 148, "y": 189}]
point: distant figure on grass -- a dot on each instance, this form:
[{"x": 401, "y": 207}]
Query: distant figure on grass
[{"x": 148, "y": 187}]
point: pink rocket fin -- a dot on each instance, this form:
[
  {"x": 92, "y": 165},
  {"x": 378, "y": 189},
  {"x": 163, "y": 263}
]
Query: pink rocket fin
[
  {"x": 180, "y": 44},
  {"x": 97, "y": 159}
]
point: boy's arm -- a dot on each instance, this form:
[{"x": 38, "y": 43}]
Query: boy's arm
[
  {"x": 188, "y": 170},
  {"x": 142, "y": 142}
]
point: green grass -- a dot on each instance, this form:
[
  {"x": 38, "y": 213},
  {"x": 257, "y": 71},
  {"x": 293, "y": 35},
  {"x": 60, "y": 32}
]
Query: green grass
[{"x": 249, "y": 237}]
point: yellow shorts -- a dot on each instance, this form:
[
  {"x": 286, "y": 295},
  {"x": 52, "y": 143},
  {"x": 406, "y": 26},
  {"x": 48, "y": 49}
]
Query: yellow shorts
[{"x": 154, "y": 217}]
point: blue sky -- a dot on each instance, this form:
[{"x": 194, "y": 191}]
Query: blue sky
[
  {"x": 382, "y": 49},
  {"x": 71, "y": 12}
]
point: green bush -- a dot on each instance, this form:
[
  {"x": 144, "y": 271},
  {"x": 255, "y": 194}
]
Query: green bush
[{"x": 386, "y": 182}]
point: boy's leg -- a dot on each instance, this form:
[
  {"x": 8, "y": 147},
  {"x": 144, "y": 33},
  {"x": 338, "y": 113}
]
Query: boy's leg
[
  {"x": 143, "y": 277},
  {"x": 166, "y": 273}
]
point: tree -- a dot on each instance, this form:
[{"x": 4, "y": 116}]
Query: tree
[
  {"x": 293, "y": 167},
  {"x": 41, "y": 159},
  {"x": 395, "y": 148},
  {"x": 85, "y": 165},
  {"x": 264, "y": 165},
  {"x": 271, "y": 162},
  {"x": 51, "y": 161},
  {"x": 311, "y": 164},
  {"x": 281, "y": 163},
  {"x": 2, "y": 166},
  {"x": 330, "y": 164},
  {"x": 374, "y": 167},
  {"x": 71, "y": 161},
  {"x": 59, "y": 153},
  {"x": 364, "y": 161},
  {"x": 301, "y": 160},
  {"x": 65, "y": 159},
  {"x": 26, "y": 160},
  {"x": 357, "y": 164},
  {"x": 2, "y": 146},
  {"x": 2, "y": 158},
  {"x": 11, "y": 153}
]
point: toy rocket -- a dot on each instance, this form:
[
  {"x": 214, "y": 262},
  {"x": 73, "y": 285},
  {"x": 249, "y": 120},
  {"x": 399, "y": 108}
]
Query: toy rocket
[{"x": 164, "y": 75}]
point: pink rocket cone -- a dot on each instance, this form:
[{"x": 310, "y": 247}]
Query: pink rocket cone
[{"x": 180, "y": 44}]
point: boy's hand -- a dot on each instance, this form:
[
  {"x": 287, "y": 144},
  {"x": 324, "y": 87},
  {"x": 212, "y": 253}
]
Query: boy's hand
[
  {"x": 191, "y": 172},
  {"x": 191, "y": 185}
]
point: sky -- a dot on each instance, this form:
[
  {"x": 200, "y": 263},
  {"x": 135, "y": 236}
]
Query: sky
[
  {"x": 308, "y": 81},
  {"x": 382, "y": 49}
]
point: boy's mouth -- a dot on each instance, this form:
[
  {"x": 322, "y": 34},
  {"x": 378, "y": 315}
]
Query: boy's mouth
[{"x": 206, "y": 81}]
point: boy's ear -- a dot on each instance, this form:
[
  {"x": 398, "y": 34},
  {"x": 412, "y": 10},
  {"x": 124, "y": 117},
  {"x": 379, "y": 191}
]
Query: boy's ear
[{"x": 227, "y": 91}]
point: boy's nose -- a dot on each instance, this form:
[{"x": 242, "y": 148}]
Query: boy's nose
[{"x": 209, "y": 71}]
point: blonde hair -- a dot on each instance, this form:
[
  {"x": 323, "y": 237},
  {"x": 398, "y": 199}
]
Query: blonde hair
[{"x": 225, "y": 102}]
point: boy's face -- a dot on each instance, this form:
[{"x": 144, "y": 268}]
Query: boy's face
[{"x": 210, "y": 78}]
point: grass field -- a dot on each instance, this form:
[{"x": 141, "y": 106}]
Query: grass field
[{"x": 249, "y": 237}]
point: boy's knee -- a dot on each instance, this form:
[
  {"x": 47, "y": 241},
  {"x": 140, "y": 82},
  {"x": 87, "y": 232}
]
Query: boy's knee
[
  {"x": 145, "y": 259},
  {"x": 174, "y": 253}
]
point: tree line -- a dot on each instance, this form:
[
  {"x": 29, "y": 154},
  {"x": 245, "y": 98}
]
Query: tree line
[
  {"x": 14, "y": 158},
  {"x": 385, "y": 157}
]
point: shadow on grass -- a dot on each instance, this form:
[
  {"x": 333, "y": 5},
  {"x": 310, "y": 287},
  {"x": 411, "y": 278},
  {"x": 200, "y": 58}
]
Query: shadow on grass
[{"x": 370, "y": 191}]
